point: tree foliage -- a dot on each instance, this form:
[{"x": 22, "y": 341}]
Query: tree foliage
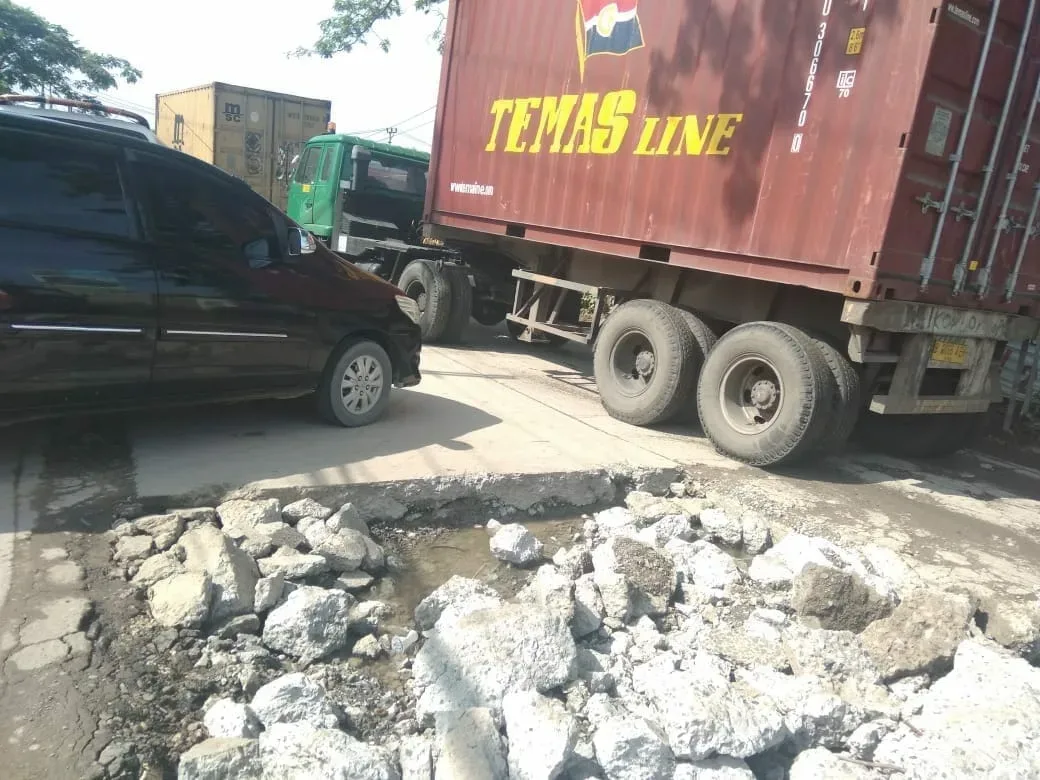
[
  {"x": 353, "y": 23},
  {"x": 37, "y": 56}
]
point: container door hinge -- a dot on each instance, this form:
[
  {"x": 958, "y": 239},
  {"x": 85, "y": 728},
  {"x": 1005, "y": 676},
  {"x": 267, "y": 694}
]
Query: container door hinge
[
  {"x": 928, "y": 202},
  {"x": 962, "y": 211}
]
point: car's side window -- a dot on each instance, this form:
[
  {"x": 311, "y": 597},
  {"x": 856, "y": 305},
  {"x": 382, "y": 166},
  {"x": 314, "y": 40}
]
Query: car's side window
[
  {"x": 308, "y": 165},
  {"x": 183, "y": 207},
  {"x": 62, "y": 183}
]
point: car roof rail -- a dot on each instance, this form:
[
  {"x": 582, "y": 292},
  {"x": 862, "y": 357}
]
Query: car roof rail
[{"x": 86, "y": 105}]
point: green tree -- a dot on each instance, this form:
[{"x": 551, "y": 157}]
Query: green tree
[
  {"x": 39, "y": 57},
  {"x": 353, "y": 23}
]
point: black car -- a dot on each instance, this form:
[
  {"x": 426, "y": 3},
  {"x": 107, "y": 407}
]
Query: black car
[{"x": 132, "y": 274}]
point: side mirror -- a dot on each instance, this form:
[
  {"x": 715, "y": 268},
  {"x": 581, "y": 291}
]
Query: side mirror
[{"x": 301, "y": 242}]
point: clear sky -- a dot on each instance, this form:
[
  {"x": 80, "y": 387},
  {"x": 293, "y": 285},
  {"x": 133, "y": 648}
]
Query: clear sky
[{"x": 191, "y": 42}]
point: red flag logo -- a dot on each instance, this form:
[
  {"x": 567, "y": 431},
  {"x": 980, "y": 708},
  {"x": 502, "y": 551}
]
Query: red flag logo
[{"x": 607, "y": 27}]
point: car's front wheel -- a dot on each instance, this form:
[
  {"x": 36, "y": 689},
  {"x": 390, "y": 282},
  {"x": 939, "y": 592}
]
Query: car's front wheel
[{"x": 355, "y": 388}]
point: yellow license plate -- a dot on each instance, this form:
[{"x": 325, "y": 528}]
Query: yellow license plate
[{"x": 949, "y": 352}]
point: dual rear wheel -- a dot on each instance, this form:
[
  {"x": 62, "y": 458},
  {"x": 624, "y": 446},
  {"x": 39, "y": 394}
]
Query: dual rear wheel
[{"x": 765, "y": 393}]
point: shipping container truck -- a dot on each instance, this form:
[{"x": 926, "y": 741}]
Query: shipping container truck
[
  {"x": 802, "y": 211},
  {"x": 364, "y": 199},
  {"x": 250, "y": 133}
]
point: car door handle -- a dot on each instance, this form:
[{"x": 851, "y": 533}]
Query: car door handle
[{"x": 308, "y": 204}]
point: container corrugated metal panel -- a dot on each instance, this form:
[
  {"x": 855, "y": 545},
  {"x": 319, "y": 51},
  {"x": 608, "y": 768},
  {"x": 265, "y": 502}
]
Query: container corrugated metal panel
[
  {"x": 253, "y": 134},
  {"x": 185, "y": 120},
  {"x": 795, "y": 141}
]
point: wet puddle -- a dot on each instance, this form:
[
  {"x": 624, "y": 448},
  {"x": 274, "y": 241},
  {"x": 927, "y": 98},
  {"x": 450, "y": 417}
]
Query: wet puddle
[{"x": 430, "y": 557}]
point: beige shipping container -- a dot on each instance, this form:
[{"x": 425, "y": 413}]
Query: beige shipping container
[{"x": 250, "y": 133}]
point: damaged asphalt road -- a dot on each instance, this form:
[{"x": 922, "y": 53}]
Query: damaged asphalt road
[{"x": 971, "y": 520}]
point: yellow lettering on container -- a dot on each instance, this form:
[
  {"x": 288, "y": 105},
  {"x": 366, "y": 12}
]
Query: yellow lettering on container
[
  {"x": 613, "y": 121},
  {"x": 583, "y": 124},
  {"x": 725, "y": 127},
  {"x": 556, "y": 114},
  {"x": 519, "y": 123},
  {"x": 499, "y": 109}
]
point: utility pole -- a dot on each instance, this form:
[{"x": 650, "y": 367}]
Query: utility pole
[{"x": 391, "y": 132}]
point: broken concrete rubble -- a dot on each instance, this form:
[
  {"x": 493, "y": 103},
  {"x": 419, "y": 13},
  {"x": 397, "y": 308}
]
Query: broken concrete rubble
[
  {"x": 829, "y": 598},
  {"x": 921, "y": 635},
  {"x": 516, "y": 545},
  {"x": 181, "y": 601},
  {"x": 309, "y": 624},
  {"x": 479, "y": 657},
  {"x": 542, "y": 735},
  {"x": 231, "y": 570},
  {"x": 648, "y": 573},
  {"x": 456, "y": 597},
  {"x": 297, "y": 751},
  {"x": 469, "y": 746},
  {"x": 641, "y": 651},
  {"x": 294, "y": 698}
]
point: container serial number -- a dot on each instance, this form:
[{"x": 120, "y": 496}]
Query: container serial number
[{"x": 810, "y": 80}]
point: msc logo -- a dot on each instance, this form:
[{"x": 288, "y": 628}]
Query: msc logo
[{"x": 607, "y": 27}]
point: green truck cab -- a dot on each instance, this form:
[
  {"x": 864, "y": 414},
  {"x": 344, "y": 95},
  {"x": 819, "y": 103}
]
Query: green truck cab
[{"x": 365, "y": 201}]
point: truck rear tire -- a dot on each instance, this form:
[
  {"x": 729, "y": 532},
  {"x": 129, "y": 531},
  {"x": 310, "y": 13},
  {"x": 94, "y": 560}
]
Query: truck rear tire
[
  {"x": 846, "y": 399},
  {"x": 764, "y": 393},
  {"x": 645, "y": 362},
  {"x": 461, "y": 304},
  {"x": 422, "y": 281},
  {"x": 705, "y": 339}
]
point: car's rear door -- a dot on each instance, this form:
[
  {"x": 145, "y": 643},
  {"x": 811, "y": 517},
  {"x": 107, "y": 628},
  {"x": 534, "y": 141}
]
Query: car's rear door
[
  {"x": 233, "y": 313},
  {"x": 78, "y": 290}
]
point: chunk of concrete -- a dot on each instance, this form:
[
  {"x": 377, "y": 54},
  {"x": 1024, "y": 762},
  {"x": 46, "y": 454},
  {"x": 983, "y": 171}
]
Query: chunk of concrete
[
  {"x": 295, "y": 698},
  {"x": 980, "y": 720},
  {"x": 164, "y": 529},
  {"x": 650, "y": 573},
  {"x": 348, "y": 516},
  {"x": 921, "y": 635},
  {"x": 231, "y": 719},
  {"x": 306, "y": 507},
  {"x": 157, "y": 568},
  {"x": 240, "y": 516},
  {"x": 293, "y": 565},
  {"x": 542, "y": 735},
  {"x": 345, "y": 550},
  {"x": 133, "y": 548},
  {"x": 825, "y": 597},
  {"x": 516, "y": 545},
  {"x": 310, "y": 624},
  {"x": 181, "y": 601},
  {"x": 416, "y": 757},
  {"x": 232, "y": 572},
  {"x": 722, "y": 527},
  {"x": 755, "y": 532},
  {"x": 469, "y": 746},
  {"x": 629, "y": 747},
  {"x": 479, "y": 657},
  {"x": 268, "y": 592},
  {"x": 456, "y": 597},
  {"x": 296, "y": 751},
  {"x": 220, "y": 758},
  {"x": 588, "y": 606}
]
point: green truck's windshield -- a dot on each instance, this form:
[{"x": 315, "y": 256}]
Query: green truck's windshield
[{"x": 396, "y": 176}]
